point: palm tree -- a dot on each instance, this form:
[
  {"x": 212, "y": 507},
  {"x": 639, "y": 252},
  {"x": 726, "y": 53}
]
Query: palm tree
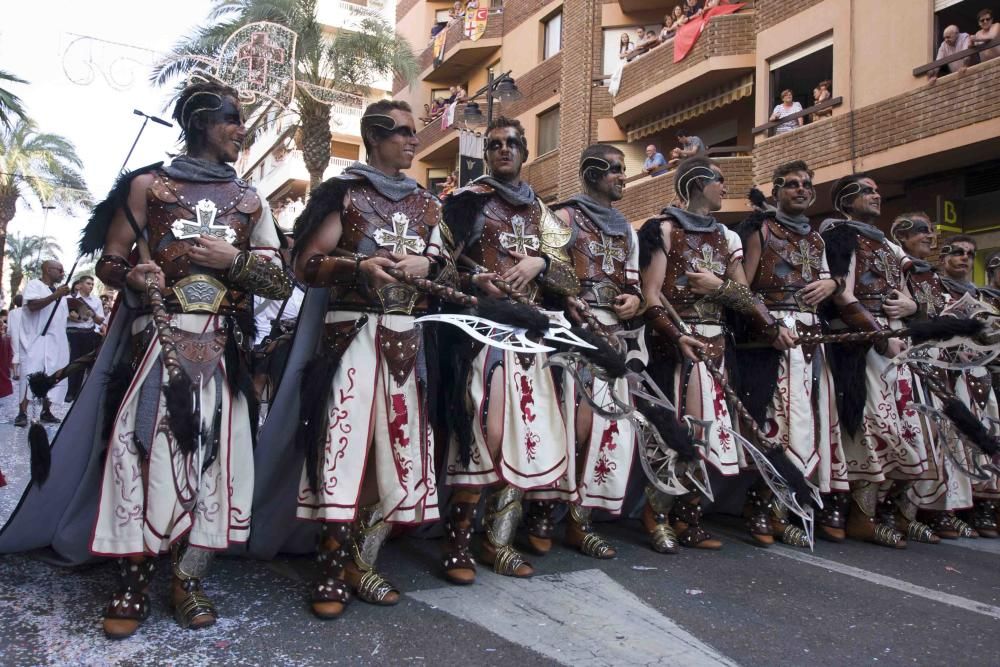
[
  {"x": 26, "y": 254},
  {"x": 349, "y": 60},
  {"x": 40, "y": 164},
  {"x": 10, "y": 104}
]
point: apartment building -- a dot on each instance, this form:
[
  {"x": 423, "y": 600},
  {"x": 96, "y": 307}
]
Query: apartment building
[
  {"x": 273, "y": 164},
  {"x": 934, "y": 147}
]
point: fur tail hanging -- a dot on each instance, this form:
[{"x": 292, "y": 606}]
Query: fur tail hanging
[
  {"x": 650, "y": 241},
  {"x": 39, "y": 383},
  {"x": 315, "y": 390},
  {"x": 970, "y": 427},
  {"x": 943, "y": 328},
  {"x": 790, "y": 472},
  {"x": 513, "y": 314},
  {"x": 41, "y": 455},
  {"x": 180, "y": 411},
  {"x": 674, "y": 434},
  {"x": 116, "y": 384},
  {"x": 604, "y": 356}
]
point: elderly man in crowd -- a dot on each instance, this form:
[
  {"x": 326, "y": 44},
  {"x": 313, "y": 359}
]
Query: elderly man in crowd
[
  {"x": 954, "y": 41},
  {"x": 655, "y": 163}
]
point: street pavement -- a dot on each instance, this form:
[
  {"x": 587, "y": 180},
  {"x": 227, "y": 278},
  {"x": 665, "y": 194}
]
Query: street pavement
[{"x": 842, "y": 604}]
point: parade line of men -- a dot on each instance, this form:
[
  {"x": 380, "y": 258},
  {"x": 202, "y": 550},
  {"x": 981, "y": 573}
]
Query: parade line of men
[{"x": 377, "y": 420}]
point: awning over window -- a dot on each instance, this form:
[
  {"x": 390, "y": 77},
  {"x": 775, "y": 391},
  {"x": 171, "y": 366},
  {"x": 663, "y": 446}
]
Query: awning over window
[{"x": 719, "y": 97}]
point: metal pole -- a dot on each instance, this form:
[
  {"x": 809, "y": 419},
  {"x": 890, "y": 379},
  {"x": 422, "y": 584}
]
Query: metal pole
[
  {"x": 146, "y": 120},
  {"x": 489, "y": 99}
]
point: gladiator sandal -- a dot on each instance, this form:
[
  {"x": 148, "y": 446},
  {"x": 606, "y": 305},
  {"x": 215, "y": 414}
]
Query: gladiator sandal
[
  {"x": 833, "y": 517},
  {"x": 906, "y": 518},
  {"x": 687, "y": 523},
  {"x": 540, "y": 525},
  {"x": 948, "y": 526},
  {"x": 984, "y": 518},
  {"x": 503, "y": 513},
  {"x": 129, "y": 605},
  {"x": 655, "y": 521},
  {"x": 459, "y": 566},
  {"x": 192, "y": 608},
  {"x": 785, "y": 530},
  {"x": 861, "y": 522},
  {"x": 757, "y": 511},
  {"x": 330, "y": 592},
  {"x": 580, "y": 534},
  {"x": 370, "y": 531}
]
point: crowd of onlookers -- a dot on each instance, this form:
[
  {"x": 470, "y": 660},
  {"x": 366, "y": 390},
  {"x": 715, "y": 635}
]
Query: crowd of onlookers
[
  {"x": 456, "y": 13},
  {"x": 644, "y": 41},
  {"x": 439, "y": 105},
  {"x": 954, "y": 41}
]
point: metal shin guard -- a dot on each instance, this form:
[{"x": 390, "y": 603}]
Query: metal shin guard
[
  {"x": 370, "y": 532},
  {"x": 593, "y": 545},
  {"x": 865, "y": 497},
  {"x": 190, "y": 565},
  {"x": 661, "y": 534},
  {"x": 503, "y": 513}
]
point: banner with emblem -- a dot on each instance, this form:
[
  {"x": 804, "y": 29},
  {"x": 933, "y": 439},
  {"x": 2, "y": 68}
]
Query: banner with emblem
[
  {"x": 470, "y": 157},
  {"x": 439, "y": 45},
  {"x": 475, "y": 23}
]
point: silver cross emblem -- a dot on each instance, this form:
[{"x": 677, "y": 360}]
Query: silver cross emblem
[
  {"x": 808, "y": 258},
  {"x": 519, "y": 242},
  {"x": 398, "y": 239},
  {"x": 925, "y": 295},
  {"x": 609, "y": 251},
  {"x": 888, "y": 267},
  {"x": 205, "y": 211},
  {"x": 708, "y": 261}
]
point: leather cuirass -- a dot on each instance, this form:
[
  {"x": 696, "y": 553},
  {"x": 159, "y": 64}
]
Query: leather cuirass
[
  {"x": 877, "y": 274},
  {"x": 599, "y": 261},
  {"x": 376, "y": 226},
  {"x": 505, "y": 228},
  {"x": 179, "y": 211},
  {"x": 694, "y": 251},
  {"x": 788, "y": 262},
  {"x": 928, "y": 291}
]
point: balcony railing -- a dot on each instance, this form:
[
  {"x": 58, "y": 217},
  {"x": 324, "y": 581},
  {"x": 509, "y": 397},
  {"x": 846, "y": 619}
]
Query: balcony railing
[
  {"x": 770, "y": 126},
  {"x": 955, "y": 57},
  {"x": 647, "y": 195},
  {"x": 461, "y": 53}
]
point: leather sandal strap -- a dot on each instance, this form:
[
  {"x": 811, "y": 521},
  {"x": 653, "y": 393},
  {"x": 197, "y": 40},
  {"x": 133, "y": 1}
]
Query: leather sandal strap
[
  {"x": 887, "y": 535},
  {"x": 919, "y": 532},
  {"x": 194, "y": 604},
  {"x": 794, "y": 536},
  {"x": 373, "y": 587},
  {"x": 595, "y": 546},
  {"x": 507, "y": 561}
]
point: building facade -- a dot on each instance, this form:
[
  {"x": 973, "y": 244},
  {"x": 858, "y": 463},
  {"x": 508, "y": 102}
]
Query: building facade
[{"x": 931, "y": 146}]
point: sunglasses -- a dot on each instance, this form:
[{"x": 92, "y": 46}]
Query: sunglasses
[
  {"x": 986, "y": 19},
  {"x": 796, "y": 184},
  {"x": 955, "y": 251}
]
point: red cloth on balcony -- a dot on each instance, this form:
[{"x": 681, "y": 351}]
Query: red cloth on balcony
[{"x": 688, "y": 33}]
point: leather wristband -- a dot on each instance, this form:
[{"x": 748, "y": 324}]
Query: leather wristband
[
  {"x": 657, "y": 317},
  {"x": 737, "y": 296},
  {"x": 559, "y": 278},
  {"x": 326, "y": 271},
  {"x": 858, "y": 318},
  {"x": 252, "y": 274},
  {"x": 112, "y": 270}
]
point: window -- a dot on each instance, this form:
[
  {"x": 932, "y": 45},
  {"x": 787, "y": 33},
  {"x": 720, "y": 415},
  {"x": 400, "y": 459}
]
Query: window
[
  {"x": 961, "y": 13},
  {"x": 553, "y": 36},
  {"x": 548, "y": 131},
  {"x": 442, "y": 16},
  {"x": 802, "y": 71}
]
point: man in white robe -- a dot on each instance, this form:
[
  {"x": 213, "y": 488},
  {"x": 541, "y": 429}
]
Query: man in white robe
[{"x": 42, "y": 336}]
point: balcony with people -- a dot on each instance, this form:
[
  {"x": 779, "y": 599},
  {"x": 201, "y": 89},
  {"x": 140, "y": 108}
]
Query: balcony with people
[
  {"x": 704, "y": 55},
  {"x": 458, "y": 46}
]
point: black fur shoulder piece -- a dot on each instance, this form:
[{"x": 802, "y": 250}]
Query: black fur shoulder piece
[
  {"x": 841, "y": 243},
  {"x": 750, "y": 225},
  {"x": 650, "y": 240},
  {"x": 326, "y": 198},
  {"x": 93, "y": 236},
  {"x": 461, "y": 208}
]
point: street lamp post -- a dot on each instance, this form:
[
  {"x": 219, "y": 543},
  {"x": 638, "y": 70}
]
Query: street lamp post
[
  {"x": 146, "y": 119},
  {"x": 500, "y": 87}
]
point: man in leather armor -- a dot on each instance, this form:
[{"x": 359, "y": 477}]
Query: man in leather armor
[
  {"x": 506, "y": 425},
  {"x": 791, "y": 392},
  {"x": 692, "y": 270},
  {"x": 369, "y": 448},
  {"x": 885, "y": 441},
  {"x": 172, "y": 469},
  {"x": 605, "y": 255},
  {"x": 974, "y": 385},
  {"x": 951, "y": 490}
]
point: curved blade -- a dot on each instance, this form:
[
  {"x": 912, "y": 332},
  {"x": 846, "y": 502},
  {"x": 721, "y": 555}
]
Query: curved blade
[
  {"x": 951, "y": 442},
  {"x": 489, "y": 332},
  {"x": 609, "y": 406},
  {"x": 659, "y": 462},
  {"x": 779, "y": 487}
]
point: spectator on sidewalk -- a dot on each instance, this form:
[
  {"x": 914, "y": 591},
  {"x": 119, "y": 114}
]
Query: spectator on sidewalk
[
  {"x": 655, "y": 163},
  {"x": 86, "y": 315},
  {"x": 787, "y": 107},
  {"x": 954, "y": 41},
  {"x": 988, "y": 31}
]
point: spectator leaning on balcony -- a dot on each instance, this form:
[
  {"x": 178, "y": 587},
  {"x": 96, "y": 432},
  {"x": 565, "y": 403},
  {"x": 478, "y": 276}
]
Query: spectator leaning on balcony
[
  {"x": 787, "y": 107},
  {"x": 954, "y": 41},
  {"x": 648, "y": 42},
  {"x": 988, "y": 31},
  {"x": 692, "y": 9},
  {"x": 655, "y": 163},
  {"x": 690, "y": 146},
  {"x": 625, "y": 46}
]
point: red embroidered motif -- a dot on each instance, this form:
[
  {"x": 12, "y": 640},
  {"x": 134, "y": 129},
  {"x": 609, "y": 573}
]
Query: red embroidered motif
[
  {"x": 905, "y": 395},
  {"x": 603, "y": 469},
  {"x": 397, "y": 435},
  {"x": 531, "y": 439}
]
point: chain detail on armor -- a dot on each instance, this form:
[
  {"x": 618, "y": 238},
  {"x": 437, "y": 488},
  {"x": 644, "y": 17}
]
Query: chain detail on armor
[
  {"x": 503, "y": 513},
  {"x": 323, "y": 271},
  {"x": 259, "y": 276},
  {"x": 112, "y": 270}
]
